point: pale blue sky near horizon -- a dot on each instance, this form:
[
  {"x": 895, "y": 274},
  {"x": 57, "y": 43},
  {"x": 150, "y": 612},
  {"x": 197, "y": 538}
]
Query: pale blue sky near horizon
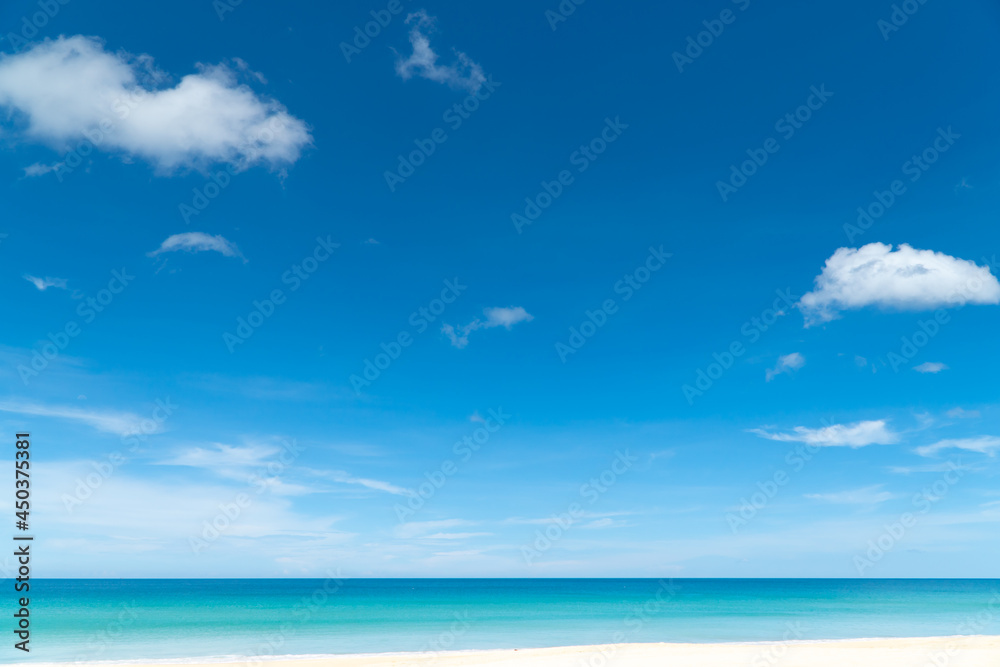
[{"x": 494, "y": 293}]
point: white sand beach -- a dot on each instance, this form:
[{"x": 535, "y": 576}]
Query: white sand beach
[{"x": 907, "y": 652}]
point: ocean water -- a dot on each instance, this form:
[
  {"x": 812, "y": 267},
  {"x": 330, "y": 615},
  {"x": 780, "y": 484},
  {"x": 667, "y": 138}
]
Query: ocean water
[{"x": 251, "y": 619}]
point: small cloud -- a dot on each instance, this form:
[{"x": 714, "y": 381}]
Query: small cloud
[
  {"x": 984, "y": 444},
  {"x": 198, "y": 242},
  {"x": 44, "y": 283},
  {"x": 932, "y": 467},
  {"x": 222, "y": 455},
  {"x": 463, "y": 75},
  {"x": 495, "y": 317},
  {"x": 930, "y": 367},
  {"x": 459, "y": 553},
  {"x": 901, "y": 279},
  {"x": 39, "y": 169},
  {"x": 959, "y": 413},
  {"x": 963, "y": 185},
  {"x": 860, "y": 361},
  {"x": 859, "y": 434},
  {"x": 786, "y": 364},
  {"x": 476, "y": 417},
  {"x": 662, "y": 454},
  {"x": 414, "y": 529},
  {"x": 869, "y": 495},
  {"x": 375, "y": 485},
  {"x": 370, "y": 242},
  {"x": 595, "y": 520}
]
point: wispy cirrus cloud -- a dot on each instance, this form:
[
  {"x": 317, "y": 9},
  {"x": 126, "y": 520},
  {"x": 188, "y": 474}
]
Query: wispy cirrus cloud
[
  {"x": 219, "y": 455},
  {"x": 984, "y": 444},
  {"x": 858, "y": 434},
  {"x": 342, "y": 477},
  {"x": 869, "y": 495},
  {"x": 422, "y": 529},
  {"x": 495, "y": 317},
  {"x": 106, "y": 421},
  {"x": 423, "y": 62},
  {"x": 198, "y": 242},
  {"x": 44, "y": 283},
  {"x": 236, "y": 461},
  {"x": 901, "y": 279}
]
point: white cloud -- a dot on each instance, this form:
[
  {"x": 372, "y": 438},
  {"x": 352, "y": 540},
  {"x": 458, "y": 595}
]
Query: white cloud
[
  {"x": 120, "y": 423},
  {"x": 374, "y": 484},
  {"x": 959, "y": 413},
  {"x": 506, "y": 317},
  {"x": 198, "y": 242},
  {"x": 64, "y": 89},
  {"x": 129, "y": 513},
  {"x": 223, "y": 456},
  {"x": 495, "y": 317},
  {"x": 596, "y": 519},
  {"x": 412, "y": 529},
  {"x": 904, "y": 279},
  {"x": 930, "y": 367},
  {"x": 786, "y": 364},
  {"x": 39, "y": 169},
  {"x": 45, "y": 283},
  {"x": 931, "y": 467},
  {"x": 463, "y": 74},
  {"x": 235, "y": 462},
  {"x": 869, "y": 495},
  {"x": 984, "y": 444},
  {"x": 859, "y": 434}
]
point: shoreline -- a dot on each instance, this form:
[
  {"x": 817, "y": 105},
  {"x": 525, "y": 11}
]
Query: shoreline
[{"x": 887, "y": 652}]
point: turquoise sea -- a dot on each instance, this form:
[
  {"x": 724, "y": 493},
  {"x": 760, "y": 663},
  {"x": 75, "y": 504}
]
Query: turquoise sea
[{"x": 243, "y": 619}]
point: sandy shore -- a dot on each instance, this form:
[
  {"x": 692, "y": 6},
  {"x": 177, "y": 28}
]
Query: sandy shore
[{"x": 917, "y": 652}]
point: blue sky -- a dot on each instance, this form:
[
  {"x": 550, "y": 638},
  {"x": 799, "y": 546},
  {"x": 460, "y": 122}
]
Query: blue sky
[{"x": 601, "y": 290}]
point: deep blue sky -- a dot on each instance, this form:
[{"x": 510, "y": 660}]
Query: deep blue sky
[{"x": 655, "y": 185}]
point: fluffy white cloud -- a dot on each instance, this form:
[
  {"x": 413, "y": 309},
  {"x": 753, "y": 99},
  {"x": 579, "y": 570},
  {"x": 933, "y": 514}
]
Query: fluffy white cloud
[
  {"x": 198, "y": 242},
  {"x": 495, "y": 317},
  {"x": 64, "y": 90},
  {"x": 786, "y": 364},
  {"x": 930, "y": 367},
  {"x": 45, "y": 283},
  {"x": 985, "y": 444},
  {"x": 859, "y": 434},
  {"x": 464, "y": 74},
  {"x": 903, "y": 279}
]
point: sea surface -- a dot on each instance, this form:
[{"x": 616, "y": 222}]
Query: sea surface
[{"x": 250, "y": 620}]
